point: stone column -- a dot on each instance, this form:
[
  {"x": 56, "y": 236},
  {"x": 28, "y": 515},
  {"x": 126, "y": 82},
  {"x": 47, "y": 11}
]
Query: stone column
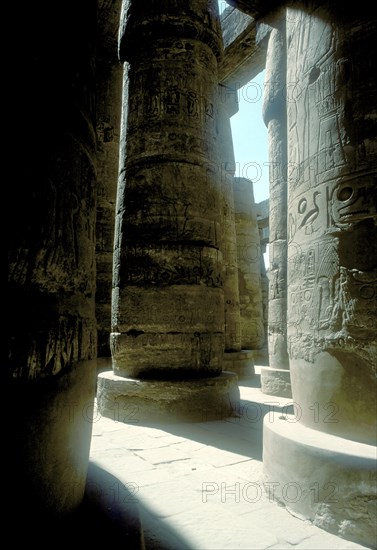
[
  {"x": 264, "y": 286},
  {"x": 108, "y": 113},
  {"x": 248, "y": 260},
  {"x": 235, "y": 360},
  {"x": 168, "y": 301},
  {"x": 50, "y": 367},
  {"x": 275, "y": 379},
  {"x": 332, "y": 273}
]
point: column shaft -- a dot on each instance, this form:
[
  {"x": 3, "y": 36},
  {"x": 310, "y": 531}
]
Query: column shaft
[
  {"x": 332, "y": 257},
  {"x": 274, "y": 114},
  {"x": 230, "y": 273},
  {"x": 167, "y": 302},
  {"x": 248, "y": 260}
]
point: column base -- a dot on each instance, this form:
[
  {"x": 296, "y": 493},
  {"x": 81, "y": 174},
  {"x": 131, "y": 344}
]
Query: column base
[
  {"x": 48, "y": 436},
  {"x": 324, "y": 478},
  {"x": 261, "y": 357},
  {"x": 134, "y": 401},
  {"x": 276, "y": 382},
  {"x": 240, "y": 362}
]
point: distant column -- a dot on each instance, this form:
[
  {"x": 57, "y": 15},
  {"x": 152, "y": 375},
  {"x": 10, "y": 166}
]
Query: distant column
[
  {"x": 248, "y": 259},
  {"x": 108, "y": 114},
  {"x": 275, "y": 380},
  {"x": 235, "y": 360}
]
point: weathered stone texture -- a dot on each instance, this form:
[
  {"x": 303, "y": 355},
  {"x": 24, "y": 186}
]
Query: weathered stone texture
[
  {"x": 248, "y": 259},
  {"x": 326, "y": 479},
  {"x": 167, "y": 257},
  {"x": 230, "y": 271},
  {"x": 256, "y": 8},
  {"x": 138, "y": 401},
  {"x": 51, "y": 257},
  {"x": 243, "y": 56},
  {"x": 274, "y": 114},
  {"x": 332, "y": 254},
  {"x": 108, "y": 113},
  {"x": 50, "y": 314},
  {"x": 49, "y": 440}
]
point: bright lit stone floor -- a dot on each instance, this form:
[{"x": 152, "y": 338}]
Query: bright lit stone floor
[{"x": 199, "y": 486}]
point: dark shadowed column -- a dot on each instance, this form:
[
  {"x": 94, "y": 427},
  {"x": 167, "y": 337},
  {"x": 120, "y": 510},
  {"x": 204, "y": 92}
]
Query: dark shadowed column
[
  {"x": 51, "y": 278},
  {"x": 168, "y": 300},
  {"x": 108, "y": 114},
  {"x": 275, "y": 380}
]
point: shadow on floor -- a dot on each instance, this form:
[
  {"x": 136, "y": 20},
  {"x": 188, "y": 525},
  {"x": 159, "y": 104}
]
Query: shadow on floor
[
  {"x": 111, "y": 510},
  {"x": 253, "y": 382},
  {"x": 241, "y": 434}
]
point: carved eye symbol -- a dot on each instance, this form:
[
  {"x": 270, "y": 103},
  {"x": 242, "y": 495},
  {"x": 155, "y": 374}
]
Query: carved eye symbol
[
  {"x": 345, "y": 194},
  {"x": 302, "y": 206}
]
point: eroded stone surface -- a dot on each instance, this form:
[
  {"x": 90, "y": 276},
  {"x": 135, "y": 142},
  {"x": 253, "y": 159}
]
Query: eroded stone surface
[
  {"x": 168, "y": 299},
  {"x": 48, "y": 434},
  {"x": 147, "y": 401},
  {"x": 108, "y": 115},
  {"x": 327, "y": 479},
  {"x": 248, "y": 260},
  {"x": 240, "y": 362},
  {"x": 232, "y": 318},
  {"x": 275, "y": 118},
  {"x": 276, "y": 382},
  {"x": 332, "y": 152}
]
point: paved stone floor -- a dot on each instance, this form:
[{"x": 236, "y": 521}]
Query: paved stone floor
[{"x": 199, "y": 486}]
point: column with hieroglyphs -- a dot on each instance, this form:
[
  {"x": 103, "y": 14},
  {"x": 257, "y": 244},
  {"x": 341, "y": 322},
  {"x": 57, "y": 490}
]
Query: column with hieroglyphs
[
  {"x": 49, "y": 375},
  {"x": 236, "y": 359},
  {"x": 275, "y": 379},
  {"x": 168, "y": 300},
  {"x": 108, "y": 114},
  {"x": 330, "y": 442}
]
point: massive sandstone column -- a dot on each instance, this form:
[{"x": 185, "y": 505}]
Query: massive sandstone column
[
  {"x": 235, "y": 359},
  {"x": 50, "y": 375},
  {"x": 108, "y": 113},
  {"x": 168, "y": 301},
  {"x": 328, "y": 448},
  {"x": 248, "y": 260},
  {"x": 275, "y": 380}
]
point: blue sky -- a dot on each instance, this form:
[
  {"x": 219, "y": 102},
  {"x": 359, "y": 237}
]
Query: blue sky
[
  {"x": 250, "y": 137},
  {"x": 250, "y": 134},
  {"x": 250, "y": 140}
]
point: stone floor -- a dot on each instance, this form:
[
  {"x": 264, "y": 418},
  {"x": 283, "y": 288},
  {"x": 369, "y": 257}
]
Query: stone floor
[{"x": 198, "y": 486}]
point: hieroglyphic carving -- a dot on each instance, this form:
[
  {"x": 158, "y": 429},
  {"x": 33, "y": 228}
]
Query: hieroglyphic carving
[
  {"x": 167, "y": 259},
  {"x": 161, "y": 265},
  {"x": 274, "y": 114},
  {"x": 168, "y": 309},
  {"x": 352, "y": 201},
  {"x": 316, "y": 109},
  {"x": 304, "y": 216},
  {"x": 331, "y": 218},
  {"x": 232, "y": 322}
]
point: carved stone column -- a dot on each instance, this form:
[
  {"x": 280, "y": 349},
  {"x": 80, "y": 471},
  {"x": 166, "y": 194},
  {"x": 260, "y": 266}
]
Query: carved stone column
[
  {"x": 248, "y": 260},
  {"x": 275, "y": 379},
  {"x": 168, "y": 301},
  {"x": 108, "y": 114},
  {"x": 50, "y": 368},
  {"x": 329, "y": 444},
  {"x": 235, "y": 360}
]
